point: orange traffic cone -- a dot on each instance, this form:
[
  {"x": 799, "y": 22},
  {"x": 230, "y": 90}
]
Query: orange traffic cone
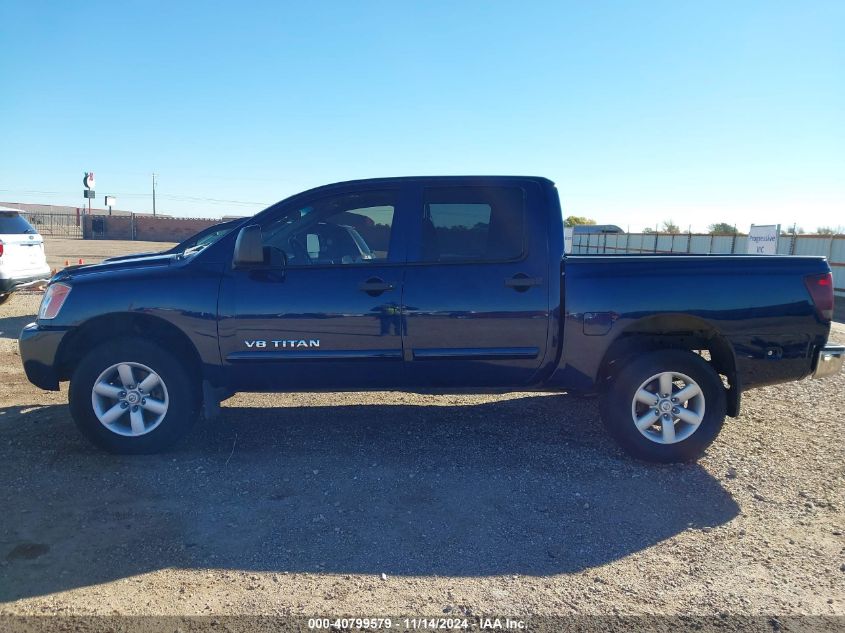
[{"x": 81, "y": 261}]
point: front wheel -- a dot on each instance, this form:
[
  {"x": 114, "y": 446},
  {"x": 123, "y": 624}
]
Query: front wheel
[
  {"x": 665, "y": 406},
  {"x": 132, "y": 396}
]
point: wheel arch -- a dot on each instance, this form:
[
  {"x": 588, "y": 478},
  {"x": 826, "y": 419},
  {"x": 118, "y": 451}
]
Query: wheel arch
[
  {"x": 675, "y": 331},
  {"x": 106, "y": 327}
]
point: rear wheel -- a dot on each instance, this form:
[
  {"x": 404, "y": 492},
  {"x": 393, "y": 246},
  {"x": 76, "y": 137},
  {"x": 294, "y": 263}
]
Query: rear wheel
[
  {"x": 132, "y": 396},
  {"x": 665, "y": 406},
  {"x": 4, "y": 297}
]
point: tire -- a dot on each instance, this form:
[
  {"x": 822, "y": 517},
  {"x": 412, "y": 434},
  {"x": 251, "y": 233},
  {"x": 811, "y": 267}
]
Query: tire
[
  {"x": 156, "y": 413},
  {"x": 4, "y": 297},
  {"x": 700, "y": 417}
]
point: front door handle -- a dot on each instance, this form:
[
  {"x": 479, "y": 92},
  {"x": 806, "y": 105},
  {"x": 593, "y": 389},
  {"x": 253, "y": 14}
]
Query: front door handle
[
  {"x": 374, "y": 286},
  {"x": 522, "y": 282}
]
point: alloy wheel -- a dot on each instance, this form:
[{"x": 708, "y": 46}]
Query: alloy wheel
[
  {"x": 129, "y": 399},
  {"x": 668, "y": 407}
]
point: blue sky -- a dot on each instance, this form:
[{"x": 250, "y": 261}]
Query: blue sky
[{"x": 639, "y": 111}]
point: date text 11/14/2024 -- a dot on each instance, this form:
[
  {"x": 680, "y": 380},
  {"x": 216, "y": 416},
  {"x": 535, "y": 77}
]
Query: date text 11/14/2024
[{"x": 418, "y": 623}]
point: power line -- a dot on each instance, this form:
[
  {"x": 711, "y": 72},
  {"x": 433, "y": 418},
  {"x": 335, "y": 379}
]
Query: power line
[
  {"x": 172, "y": 197},
  {"x": 198, "y": 199}
]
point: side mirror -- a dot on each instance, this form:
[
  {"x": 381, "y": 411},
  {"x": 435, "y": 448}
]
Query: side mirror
[{"x": 249, "y": 248}]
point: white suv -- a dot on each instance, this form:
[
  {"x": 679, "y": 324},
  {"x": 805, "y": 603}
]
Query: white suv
[{"x": 22, "y": 258}]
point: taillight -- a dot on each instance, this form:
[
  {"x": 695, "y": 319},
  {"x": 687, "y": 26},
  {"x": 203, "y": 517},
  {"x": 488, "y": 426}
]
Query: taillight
[
  {"x": 820, "y": 288},
  {"x": 53, "y": 300},
  {"x": 1, "y": 248}
]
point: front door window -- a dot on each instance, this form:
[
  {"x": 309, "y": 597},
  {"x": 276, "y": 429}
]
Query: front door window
[{"x": 335, "y": 231}]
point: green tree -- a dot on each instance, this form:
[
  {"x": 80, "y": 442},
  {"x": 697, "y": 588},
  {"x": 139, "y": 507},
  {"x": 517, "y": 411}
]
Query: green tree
[
  {"x": 720, "y": 228},
  {"x": 574, "y": 220},
  {"x": 670, "y": 227},
  {"x": 825, "y": 230},
  {"x": 648, "y": 229},
  {"x": 789, "y": 229}
]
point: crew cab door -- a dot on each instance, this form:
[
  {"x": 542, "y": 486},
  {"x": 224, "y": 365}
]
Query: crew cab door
[
  {"x": 477, "y": 286},
  {"x": 330, "y": 316}
]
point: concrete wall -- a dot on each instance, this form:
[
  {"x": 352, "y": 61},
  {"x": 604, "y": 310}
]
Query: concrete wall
[{"x": 142, "y": 227}]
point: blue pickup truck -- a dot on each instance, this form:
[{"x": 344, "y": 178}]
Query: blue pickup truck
[{"x": 427, "y": 283}]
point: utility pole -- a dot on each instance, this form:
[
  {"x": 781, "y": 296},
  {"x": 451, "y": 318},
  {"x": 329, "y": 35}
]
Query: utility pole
[{"x": 154, "y": 194}]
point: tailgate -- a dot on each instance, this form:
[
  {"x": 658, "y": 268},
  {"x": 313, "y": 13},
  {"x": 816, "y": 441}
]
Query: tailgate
[{"x": 22, "y": 254}]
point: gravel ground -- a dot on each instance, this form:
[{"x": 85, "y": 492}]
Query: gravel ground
[
  {"x": 399, "y": 503},
  {"x": 60, "y": 250}
]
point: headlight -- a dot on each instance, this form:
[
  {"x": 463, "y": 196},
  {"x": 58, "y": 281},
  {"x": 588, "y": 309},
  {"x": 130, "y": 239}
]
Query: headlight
[{"x": 53, "y": 300}]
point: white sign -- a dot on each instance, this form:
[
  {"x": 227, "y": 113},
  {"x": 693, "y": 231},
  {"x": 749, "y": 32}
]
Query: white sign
[
  {"x": 111, "y": 201},
  {"x": 567, "y": 239},
  {"x": 763, "y": 239}
]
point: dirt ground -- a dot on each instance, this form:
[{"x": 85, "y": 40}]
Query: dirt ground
[
  {"x": 60, "y": 250},
  {"x": 399, "y": 503}
]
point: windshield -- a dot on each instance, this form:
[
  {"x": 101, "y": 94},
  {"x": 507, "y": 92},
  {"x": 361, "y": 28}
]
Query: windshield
[{"x": 195, "y": 245}]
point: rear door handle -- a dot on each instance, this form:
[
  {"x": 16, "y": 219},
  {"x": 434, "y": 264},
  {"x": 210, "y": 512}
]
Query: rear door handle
[
  {"x": 375, "y": 286},
  {"x": 522, "y": 282}
]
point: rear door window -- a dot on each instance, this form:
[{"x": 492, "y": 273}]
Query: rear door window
[
  {"x": 473, "y": 224},
  {"x": 13, "y": 224}
]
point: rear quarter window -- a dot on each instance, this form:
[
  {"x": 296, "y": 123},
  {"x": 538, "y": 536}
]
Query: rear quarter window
[{"x": 13, "y": 224}]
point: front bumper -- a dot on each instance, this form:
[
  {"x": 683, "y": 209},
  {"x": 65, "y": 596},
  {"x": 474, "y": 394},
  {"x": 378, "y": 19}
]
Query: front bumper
[
  {"x": 39, "y": 349},
  {"x": 7, "y": 284},
  {"x": 829, "y": 361}
]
